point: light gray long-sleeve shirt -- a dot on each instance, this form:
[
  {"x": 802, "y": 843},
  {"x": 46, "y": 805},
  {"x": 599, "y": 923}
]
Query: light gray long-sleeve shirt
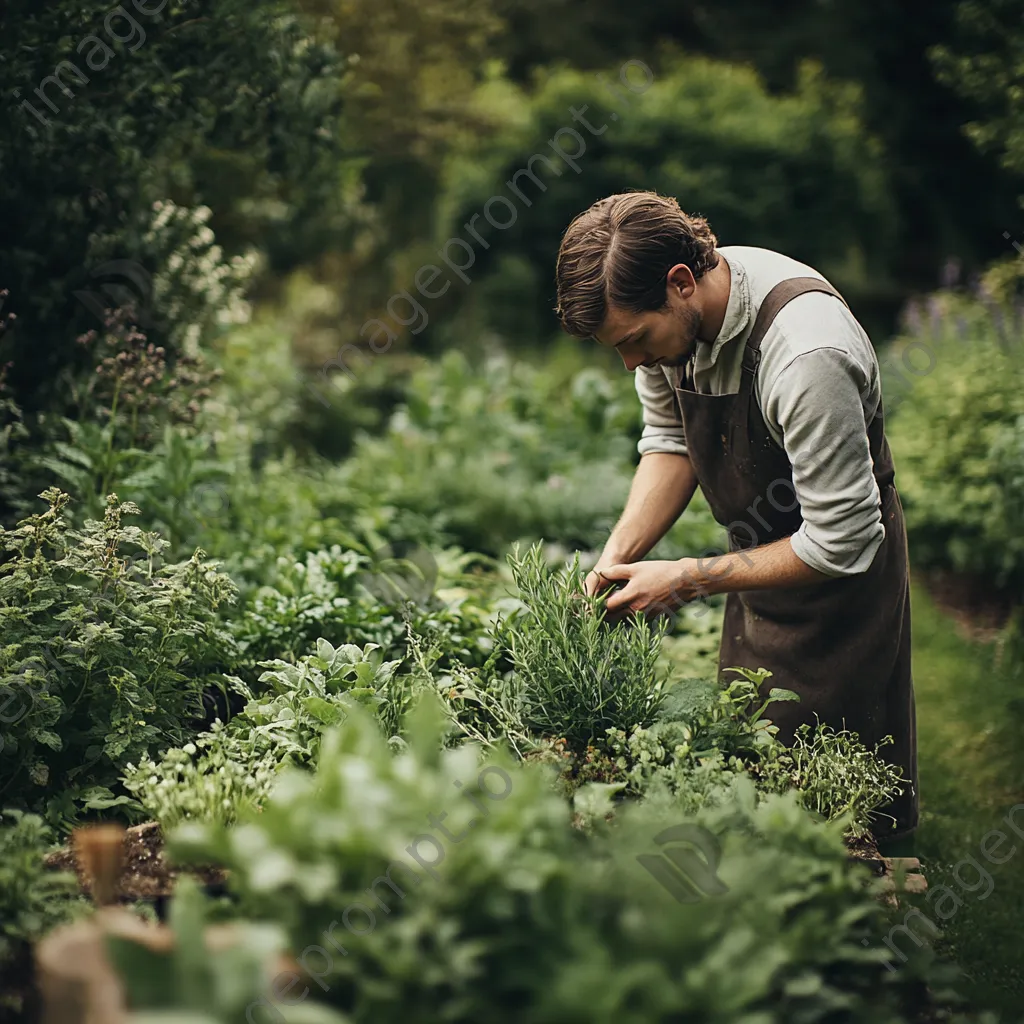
[{"x": 817, "y": 386}]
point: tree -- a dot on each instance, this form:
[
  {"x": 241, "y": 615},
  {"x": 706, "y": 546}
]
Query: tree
[
  {"x": 987, "y": 66},
  {"x": 233, "y": 105}
]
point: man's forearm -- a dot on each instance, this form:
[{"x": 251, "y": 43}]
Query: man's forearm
[
  {"x": 662, "y": 488},
  {"x": 659, "y": 587},
  {"x": 766, "y": 567}
]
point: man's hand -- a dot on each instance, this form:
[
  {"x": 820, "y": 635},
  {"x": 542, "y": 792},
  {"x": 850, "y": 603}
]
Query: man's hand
[
  {"x": 654, "y": 588},
  {"x": 596, "y": 582}
]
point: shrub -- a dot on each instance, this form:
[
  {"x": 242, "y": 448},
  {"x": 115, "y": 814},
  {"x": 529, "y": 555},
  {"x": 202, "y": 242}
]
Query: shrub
[
  {"x": 957, "y": 437},
  {"x": 249, "y": 97},
  {"x": 106, "y": 655}
]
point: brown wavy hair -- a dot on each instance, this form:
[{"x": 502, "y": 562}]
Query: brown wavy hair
[{"x": 618, "y": 253}]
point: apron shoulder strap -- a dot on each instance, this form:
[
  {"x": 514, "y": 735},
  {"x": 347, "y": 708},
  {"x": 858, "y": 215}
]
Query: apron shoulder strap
[{"x": 774, "y": 302}]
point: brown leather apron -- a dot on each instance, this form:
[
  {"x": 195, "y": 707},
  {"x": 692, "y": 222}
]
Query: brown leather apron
[{"x": 843, "y": 644}]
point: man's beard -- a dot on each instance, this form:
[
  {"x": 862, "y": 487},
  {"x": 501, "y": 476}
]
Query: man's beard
[{"x": 688, "y": 322}]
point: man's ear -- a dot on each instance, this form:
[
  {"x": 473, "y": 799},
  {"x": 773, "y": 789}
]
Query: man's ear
[{"x": 680, "y": 278}]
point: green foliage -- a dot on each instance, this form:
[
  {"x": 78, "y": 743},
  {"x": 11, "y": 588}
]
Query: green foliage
[
  {"x": 707, "y": 738},
  {"x": 510, "y": 914},
  {"x": 238, "y": 763},
  {"x": 572, "y": 675},
  {"x": 213, "y": 778},
  {"x": 493, "y": 453},
  {"x": 834, "y": 775},
  {"x": 105, "y": 655},
  {"x": 956, "y": 438},
  {"x": 237, "y": 109},
  {"x": 882, "y": 48},
  {"x": 496, "y": 451},
  {"x": 986, "y": 64},
  {"x": 32, "y": 899},
  {"x": 351, "y": 597}
]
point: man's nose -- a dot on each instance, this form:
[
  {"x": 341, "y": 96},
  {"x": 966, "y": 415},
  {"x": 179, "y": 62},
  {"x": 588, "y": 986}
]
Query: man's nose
[{"x": 632, "y": 360}]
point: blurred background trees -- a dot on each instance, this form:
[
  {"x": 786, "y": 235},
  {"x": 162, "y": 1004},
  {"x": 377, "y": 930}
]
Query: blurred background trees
[{"x": 348, "y": 136}]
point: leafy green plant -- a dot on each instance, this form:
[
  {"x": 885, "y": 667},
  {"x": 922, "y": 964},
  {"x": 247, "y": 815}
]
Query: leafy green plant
[
  {"x": 132, "y": 422},
  {"x": 32, "y": 899},
  {"x": 956, "y": 437},
  {"x": 834, "y": 775},
  {"x": 231, "y": 768},
  {"x": 707, "y": 737},
  {"x": 348, "y": 596},
  {"x": 573, "y": 675},
  {"x": 105, "y": 656},
  {"x": 489, "y": 451},
  {"x": 212, "y": 778}
]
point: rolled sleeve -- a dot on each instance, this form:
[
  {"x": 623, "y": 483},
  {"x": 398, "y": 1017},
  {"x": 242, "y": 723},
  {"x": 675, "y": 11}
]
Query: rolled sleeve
[
  {"x": 816, "y": 402},
  {"x": 663, "y": 428}
]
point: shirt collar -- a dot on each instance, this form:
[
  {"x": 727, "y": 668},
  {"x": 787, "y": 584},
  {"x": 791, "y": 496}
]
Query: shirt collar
[{"x": 738, "y": 312}]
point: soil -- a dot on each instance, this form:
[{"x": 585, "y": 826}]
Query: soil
[
  {"x": 146, "y": 875},
  {"x": 979, "y": 611},
  {"x": 865, "y": 850}
]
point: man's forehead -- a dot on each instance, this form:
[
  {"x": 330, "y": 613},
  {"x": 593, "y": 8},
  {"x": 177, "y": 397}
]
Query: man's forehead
[{"x": 617, "y": 327}]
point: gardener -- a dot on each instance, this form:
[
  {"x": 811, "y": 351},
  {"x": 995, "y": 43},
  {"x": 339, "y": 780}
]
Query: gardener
[{"x": 758, "y": 384}]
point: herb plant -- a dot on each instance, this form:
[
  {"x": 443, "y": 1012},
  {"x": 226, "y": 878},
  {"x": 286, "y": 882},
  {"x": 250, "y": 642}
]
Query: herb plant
[
  {"x": 574, "y": 675},
  {"x": 105, "y": 656},
  {"x": 430, "y": 884},
  {"x": 231, "y": 769}
]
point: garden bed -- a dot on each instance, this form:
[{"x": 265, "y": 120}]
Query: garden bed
[{"x": 145, "y": 873}]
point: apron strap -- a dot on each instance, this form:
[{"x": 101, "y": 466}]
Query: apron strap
[{"x": 774, "y": 302}]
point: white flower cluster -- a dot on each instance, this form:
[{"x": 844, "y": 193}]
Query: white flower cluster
[
  {"x": 214, "y": 786},
  {"x": 196, "y": 288}
]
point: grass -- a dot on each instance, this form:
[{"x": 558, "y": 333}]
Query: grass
[{"x": 970, "y": 720}]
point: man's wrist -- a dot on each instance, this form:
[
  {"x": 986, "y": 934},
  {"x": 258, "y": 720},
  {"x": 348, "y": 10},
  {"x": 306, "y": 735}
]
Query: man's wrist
[
  {"x": 707, "y": 574},
  {"x": 614, "y": 556}
]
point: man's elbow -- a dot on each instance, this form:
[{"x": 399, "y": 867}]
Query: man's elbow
[
  {"x": 668, "y": 442},
  {"x": 838, "y": 557}
]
